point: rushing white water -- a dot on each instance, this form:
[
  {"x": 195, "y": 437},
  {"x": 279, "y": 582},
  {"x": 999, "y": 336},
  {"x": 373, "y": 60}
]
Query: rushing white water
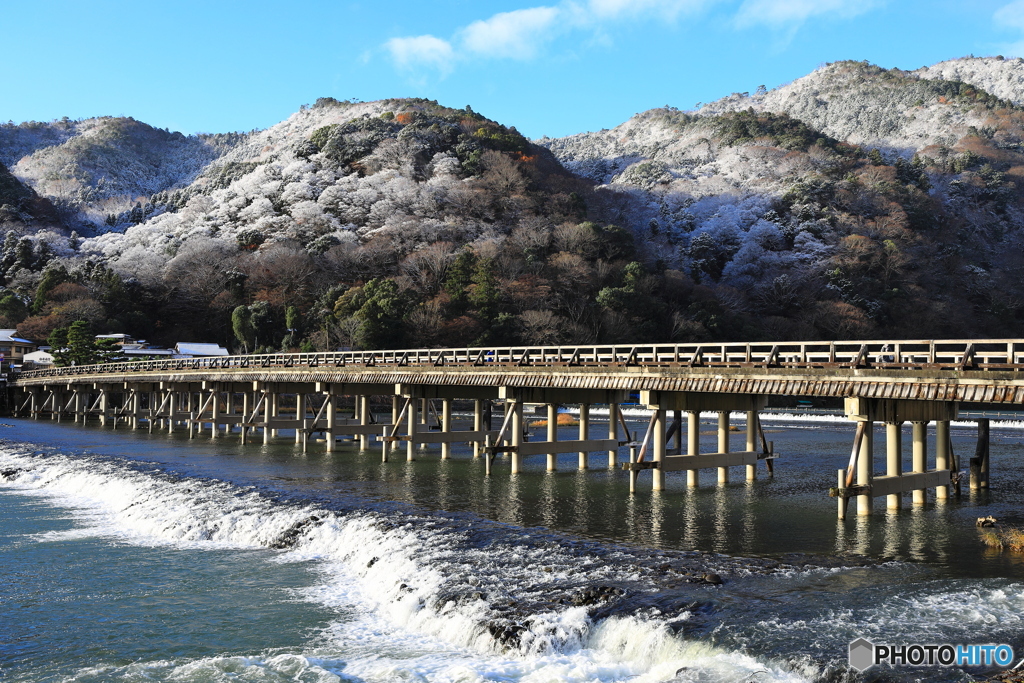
[{"x": 420, "y": 601}]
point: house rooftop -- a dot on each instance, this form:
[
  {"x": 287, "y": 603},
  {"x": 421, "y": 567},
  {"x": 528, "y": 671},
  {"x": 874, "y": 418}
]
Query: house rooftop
[
  {"x": 199, "y": 349},
  {"x": 8, "y": 336}
]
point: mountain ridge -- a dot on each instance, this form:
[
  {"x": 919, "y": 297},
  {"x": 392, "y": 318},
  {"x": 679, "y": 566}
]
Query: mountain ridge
[{"x": 855, "y": 201}]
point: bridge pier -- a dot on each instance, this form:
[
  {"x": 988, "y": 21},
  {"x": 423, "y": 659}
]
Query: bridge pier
[
  {"x": 658, "y": 445},
  {"x": 723, "y": 443},
  {"x": 478, "y": 423},
  {"x": 613, "y": 434},
  {"x": 552, "y": 456},
  {"x": 942, "y": 452},
  {"x": 693, "y": 403},
  {"x": 446, "y": 427},
  {"x": 751, "y": 442},
  {"x": 894, "y": 460},
  {"x": 893, "y": 412},
  {"x": 866, "y": 467},
  {"x": 413, "y": 424},
  {"x": 584, "y": 456},
  {"x": 269, "y": 399},
  {"x": 919, "y": 456},
  {"x": 980, "y": 462},
  {"x": 364, "y": 419},
  {"x": 693, "y": 445},
  {"x": 517, "y": 433}
]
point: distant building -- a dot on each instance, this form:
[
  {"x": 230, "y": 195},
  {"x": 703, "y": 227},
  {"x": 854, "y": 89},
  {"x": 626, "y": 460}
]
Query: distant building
[
  {"x": 198, "y": 350},
  {"x": 132, "y": 349},
  {"x": 36, "y": 359},
  {"x": 141, "y": 350},
  {"x": 13, "y": 348}
]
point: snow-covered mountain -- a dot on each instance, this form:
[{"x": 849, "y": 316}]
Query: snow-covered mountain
[
  {"x": 896, "y": 111},
  {"x": 1001, "y": 77},
  {"x": 827, "y": 207}
]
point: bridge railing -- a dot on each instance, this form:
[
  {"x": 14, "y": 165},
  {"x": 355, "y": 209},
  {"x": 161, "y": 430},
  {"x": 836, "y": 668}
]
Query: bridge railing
[{"x": 927, "y": 354}]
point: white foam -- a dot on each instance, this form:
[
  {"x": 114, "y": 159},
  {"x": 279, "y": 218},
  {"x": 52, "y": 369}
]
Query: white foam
[
  {"x": 969, "y": 613},
  {"x": 388, "y": 576}
]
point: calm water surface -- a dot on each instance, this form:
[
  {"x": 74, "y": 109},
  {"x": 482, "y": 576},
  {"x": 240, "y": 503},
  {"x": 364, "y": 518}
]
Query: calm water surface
[{"x": 128, "y": 556}]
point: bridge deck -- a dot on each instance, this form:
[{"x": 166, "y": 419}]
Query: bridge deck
[{"x": 988, "y": 371}]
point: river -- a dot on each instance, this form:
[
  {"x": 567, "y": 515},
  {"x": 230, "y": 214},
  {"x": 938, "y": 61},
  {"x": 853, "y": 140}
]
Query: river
[{"x": 129, "y": 556}]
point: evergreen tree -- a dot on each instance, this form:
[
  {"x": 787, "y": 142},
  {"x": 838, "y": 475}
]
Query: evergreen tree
[
  {"x": 241, "y": 325},
  {"x": 24, "y": 256},
  {"x": 10, "y": 251},
  {"x": 12, "y": 307},
  {"x": 51, "y": 278},
  {"x": 81, "y": 346},
  {"x": 484, "y": 294},
  {"x": 381, "y": 315},
  {"x": 460, "y": 276},
  {"x": 58, "y": 341}
]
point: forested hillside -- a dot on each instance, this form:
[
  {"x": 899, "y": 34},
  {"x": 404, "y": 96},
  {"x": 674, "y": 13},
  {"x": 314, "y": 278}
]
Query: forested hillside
[{"x": 854, "y": 202}]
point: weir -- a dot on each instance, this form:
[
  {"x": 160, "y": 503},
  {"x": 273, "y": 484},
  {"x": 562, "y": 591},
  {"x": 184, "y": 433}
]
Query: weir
[{"x": 920, "y": 382}]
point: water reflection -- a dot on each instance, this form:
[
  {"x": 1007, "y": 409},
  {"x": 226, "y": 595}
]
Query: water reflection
[
  {"x": 657, "y": 519},
  {"x": 788, "y": 513}
]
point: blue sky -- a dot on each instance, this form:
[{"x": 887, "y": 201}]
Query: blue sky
[{"x": 551, "y": 68}]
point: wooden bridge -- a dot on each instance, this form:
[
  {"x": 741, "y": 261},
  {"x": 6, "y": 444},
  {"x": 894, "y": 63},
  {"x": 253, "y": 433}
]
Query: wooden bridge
[{"x": 889, "y": 381}]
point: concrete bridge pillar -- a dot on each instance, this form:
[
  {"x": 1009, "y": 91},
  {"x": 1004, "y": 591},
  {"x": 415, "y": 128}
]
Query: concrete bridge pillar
[
  {"x": 552, "y": 435},
  {"x": 300, "y": 415},
  {"x": 658, "y": 445},
  {"x": 363, "y": 403},
  {"x": 613, "y": 433},
  {"x": 425, "y": 407},
  {"x": 172, "y": 404},
  {"x": 331, "y": 416},
  {"x": 693, "y": 444},
  {"x": 275, "y": 411},
  {"x": 136, "y": 407},
  {"x": 866, "y": 466},
  {"x": 751, "y": 442},
  {"x": 446, "y": 427},
  {"x": 214, "y": 412},
  {"x": 584, "y": 434},
  {"x": 517, "y": 433},
  {"x": 677, "y": 425},
  {"x": 395, "y": 412},
  {"x": 269, "y": 400},
  {"x": 723, "y": 443},
  {"x": 920, "y": 458},
  {"x": 478, "y": 423},
  {"x": 104, "y": 405},
  {"x": 247, "y": 404},
  {"x": 230, "y": 408},
  {"x": 942, "y": 455},
  {"x": 894, "y": 460},
  {"x": 410, "y": 445}
]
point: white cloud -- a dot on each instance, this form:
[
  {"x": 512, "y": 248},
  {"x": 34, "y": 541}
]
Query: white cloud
[
  {"x": 789, "y": 13},
  {"x": 516, "y": 35},
  {"x": 523, "y": 34},
  {"x": 1011, "y": 16},
  {"x": 421, "y": 51},
  {"x": 669, "y": 9}
]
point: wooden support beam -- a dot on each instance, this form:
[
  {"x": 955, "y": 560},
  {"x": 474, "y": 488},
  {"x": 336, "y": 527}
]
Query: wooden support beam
[
  {"x": 681, "y": 463},
  {"x": 443, "y": 437},
  {"x": 539, "y": 447},
  {"x": 887, "y": 486}
]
